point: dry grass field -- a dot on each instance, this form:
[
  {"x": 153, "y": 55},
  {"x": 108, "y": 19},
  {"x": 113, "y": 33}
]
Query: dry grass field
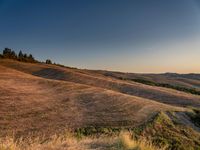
[
  {"x": 43, "y": 100},
  {"x": 68, "y": 142}
]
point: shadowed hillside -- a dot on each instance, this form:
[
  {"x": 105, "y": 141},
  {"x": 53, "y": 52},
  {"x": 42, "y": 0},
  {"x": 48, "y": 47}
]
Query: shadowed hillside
[{"x": 189, "y": 81}]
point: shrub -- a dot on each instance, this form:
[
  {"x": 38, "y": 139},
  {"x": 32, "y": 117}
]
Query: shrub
[
  {"x": 195, "y": 117},
  {"x": 48, "y": 61}
]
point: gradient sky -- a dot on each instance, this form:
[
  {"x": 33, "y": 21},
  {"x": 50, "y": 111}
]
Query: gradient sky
[{"x": 148, "y": 36}]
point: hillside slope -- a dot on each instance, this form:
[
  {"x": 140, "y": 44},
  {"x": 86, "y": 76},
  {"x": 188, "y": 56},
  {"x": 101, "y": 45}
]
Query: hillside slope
[
  {"x": 40, "y": 100},
  {"x": 35, "y": 105},
  {"x": 191, "y": 81},
  {"x": 159, "y": 94}
]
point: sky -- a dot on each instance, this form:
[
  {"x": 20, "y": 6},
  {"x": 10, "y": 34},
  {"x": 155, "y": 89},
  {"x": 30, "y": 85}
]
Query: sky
[{"x": 139, "y": 36}]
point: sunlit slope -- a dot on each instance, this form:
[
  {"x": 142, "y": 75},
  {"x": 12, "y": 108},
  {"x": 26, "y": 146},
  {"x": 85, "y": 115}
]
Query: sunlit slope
[
  {"x": 30, "y": 105},
  {"x": 95, "y": 79}
]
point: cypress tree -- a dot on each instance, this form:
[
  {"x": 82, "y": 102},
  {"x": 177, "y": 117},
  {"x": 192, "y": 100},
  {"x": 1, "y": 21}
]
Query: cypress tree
[{"x": 20, "y": 56}]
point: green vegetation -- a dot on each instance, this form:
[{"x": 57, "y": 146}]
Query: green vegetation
[
  {"x": 94, "y": 130},
  {"x": 195, "y": 116},
  {"x": 183, "y": 89},
  {"x": 165, "y": 132}
]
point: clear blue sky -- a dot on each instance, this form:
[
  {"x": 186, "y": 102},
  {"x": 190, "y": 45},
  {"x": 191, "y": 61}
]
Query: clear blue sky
[{"x": 124, "y": 35}]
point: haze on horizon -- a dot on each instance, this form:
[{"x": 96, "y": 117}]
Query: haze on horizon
[{"x": 122, "y": 35}]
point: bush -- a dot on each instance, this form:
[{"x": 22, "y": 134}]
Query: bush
[
  {"x": 48, "y": 61},
  {"x": 195, "y": 117}
]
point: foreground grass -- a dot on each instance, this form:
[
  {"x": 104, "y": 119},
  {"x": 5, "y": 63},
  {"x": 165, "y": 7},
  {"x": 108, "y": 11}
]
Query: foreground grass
[
  {"x": 163, "y": 132},
  {"x": 122, "y": 142},
  {"x": 126, "y": 142}
]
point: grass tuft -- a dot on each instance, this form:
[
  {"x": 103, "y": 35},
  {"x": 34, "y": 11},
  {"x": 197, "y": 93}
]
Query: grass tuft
[{"x": 128, "y": 143}]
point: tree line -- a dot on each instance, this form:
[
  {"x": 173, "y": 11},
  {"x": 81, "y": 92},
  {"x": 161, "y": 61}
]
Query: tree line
[{"x": 24, "y": 57}]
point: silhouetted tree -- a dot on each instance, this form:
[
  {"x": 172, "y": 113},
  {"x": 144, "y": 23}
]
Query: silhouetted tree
[
  {"x": 20, "y": 56},
  {"x": 13, "y": 55},
  {"x": 8, "y": 53},
  {"x": 48, "y": 61},
  {"x": 25, "y": 58},
  {"x": 25, "y": 55},
  {"x": 31, "y": 58}
]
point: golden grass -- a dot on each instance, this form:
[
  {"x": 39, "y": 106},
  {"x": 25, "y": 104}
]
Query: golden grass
[
  {"x": 122, "y": 142},
  {"x": 42, "y": 99},
  {"x": 95, "y": 79},
  {"x": 55, "y": 143},
  {"x": 130, "y": 144},
  {"x": 34, "y": 105}
]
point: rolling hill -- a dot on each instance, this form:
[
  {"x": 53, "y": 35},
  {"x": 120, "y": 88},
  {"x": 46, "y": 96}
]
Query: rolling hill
[{"x": 40, "y": 99}]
